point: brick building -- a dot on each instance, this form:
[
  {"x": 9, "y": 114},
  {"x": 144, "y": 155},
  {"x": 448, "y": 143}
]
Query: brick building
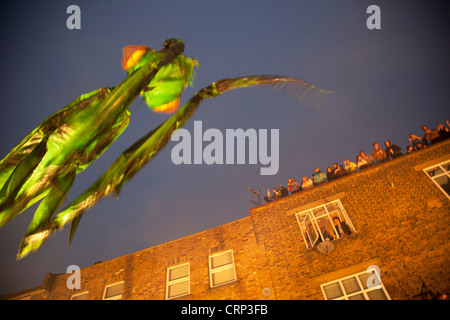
[{"x": 392, "y": 240}]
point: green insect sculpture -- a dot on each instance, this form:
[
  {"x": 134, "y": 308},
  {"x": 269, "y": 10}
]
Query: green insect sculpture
[{"x": 44, "y": 165}]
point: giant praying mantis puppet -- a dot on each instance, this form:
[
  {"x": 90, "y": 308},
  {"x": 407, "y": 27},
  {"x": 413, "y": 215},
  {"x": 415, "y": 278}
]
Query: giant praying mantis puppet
[{"x": 44, "y": 165}]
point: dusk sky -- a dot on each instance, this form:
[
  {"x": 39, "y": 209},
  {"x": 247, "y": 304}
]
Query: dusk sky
[{"x": 387, "y": 82}]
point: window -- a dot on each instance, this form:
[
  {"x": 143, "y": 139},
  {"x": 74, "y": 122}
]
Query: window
[
  {"x": 221, "y": 268},
  {"x": 178, "y": 281},
  {"x": 113, "y": 291},
  {"x": 325, "y": 222},
  {"x": 440, "y": 175},
  {"x": 355, "y": 288},
  {"x": 80, "y": 296}
]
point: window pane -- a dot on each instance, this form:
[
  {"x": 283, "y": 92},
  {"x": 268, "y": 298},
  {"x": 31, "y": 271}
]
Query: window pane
[
  {"x": 333, "y": 291},
  {"x": 377, "y": 295},
  {"x": 446, "y": 167},
  {"x": 178, "y": 272},
  {"x": 317, "y": 225},
  {"x": 302, "y": 217},
  {"x": 113, "y": 291},
  {"x": 350, "y": 288},
  {"x": 359, "y": 296},
  {"x": 311, "y": 232},
  {"x": 313, "y": 237},
  {"x": 325, "y": 228},
  {"x": 363, "y": 278},
  {"x": 332, "y": 207},
  {"x": 223, "y": 276},
  {"x": 444, "y": 182},
  {"x": 351, "y": 285},
  {"x": 221, "y": 260},
  {"x": 434, "y": 171},
  {"x": 178, "y": 289},
  {"x": 319, "y": 212}
]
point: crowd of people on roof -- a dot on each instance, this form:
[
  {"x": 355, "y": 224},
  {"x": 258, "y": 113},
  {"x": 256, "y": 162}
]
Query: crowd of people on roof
[{"x": 362, "y": 161}]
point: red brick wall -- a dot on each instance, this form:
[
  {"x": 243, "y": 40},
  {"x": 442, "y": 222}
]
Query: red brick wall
[
  {"x": 144, "y": 272},
  {"x": 402, "y": 225},
  {"x": 402, "y": 221}
]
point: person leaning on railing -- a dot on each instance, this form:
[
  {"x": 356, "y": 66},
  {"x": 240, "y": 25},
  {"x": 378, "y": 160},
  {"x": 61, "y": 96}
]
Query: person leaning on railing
[{"x": 392, "y": 150}]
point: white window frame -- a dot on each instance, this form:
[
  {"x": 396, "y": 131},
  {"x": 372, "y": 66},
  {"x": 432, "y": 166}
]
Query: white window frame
[
  {"x": 117, "y": 297},
  {"x": 342, "y": 214},
  {"x": 179, "y": 280},
  {"x": 444, "y": 173},
  {"x": 212, "y": 270},
  {"x": 363, "y": 290},
  {"x": 78, "y": 294}
]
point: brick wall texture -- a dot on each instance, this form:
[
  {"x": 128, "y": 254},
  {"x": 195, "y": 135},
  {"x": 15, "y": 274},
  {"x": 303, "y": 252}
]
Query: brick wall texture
[{"x": 402, "y": 223}]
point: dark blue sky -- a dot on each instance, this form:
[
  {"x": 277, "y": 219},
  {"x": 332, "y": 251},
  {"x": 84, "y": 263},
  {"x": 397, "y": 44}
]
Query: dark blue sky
[{"x": 387, "y": 84}]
